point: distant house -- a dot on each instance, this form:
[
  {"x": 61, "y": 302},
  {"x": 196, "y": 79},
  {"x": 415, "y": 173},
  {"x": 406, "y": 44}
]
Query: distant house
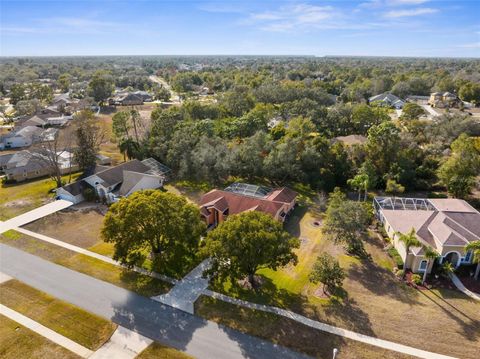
[
  {"x": 126, "y": 99},
  {"x": 444, "y": 100},
  {"x": 25, "y": 165},
  {"x": 446, "y": 225},
  {"x": 351, "y": 140},
  {"x": 113, "y": 183},
  {"x": 388, "y": 100},
  {"x": 27, "y": 136},
  {"x": 217, "y": 205},
  {"x": 58, "y": 121},
  {"x": 144, "y": 95}
]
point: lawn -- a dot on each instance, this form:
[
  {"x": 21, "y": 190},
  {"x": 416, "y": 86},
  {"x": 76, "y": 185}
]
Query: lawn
[
  {"x": 107, "y": 272},
  {"x": 192, "y": 190},
  {"x": 374, "y": 303},
  {"x": 287, "y": 332},
  {"x": 68, "y": 320},
  {"x": 25, "y": 196},
  {"x": 17, "y": 342},
  {"x": 156, "y": 351}
]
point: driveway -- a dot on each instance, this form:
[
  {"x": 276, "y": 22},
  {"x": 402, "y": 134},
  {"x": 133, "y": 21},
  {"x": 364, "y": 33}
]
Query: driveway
[
  {"x": 35, "y": 214},
  {"x": 169, "y": 326}
]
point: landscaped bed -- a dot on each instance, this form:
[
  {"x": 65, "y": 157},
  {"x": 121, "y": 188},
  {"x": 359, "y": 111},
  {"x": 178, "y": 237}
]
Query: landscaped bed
[
  {"x": 18, "y": 342},
  {"x": 68, "y": 320}
]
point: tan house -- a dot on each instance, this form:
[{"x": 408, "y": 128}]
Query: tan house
[
  {"x": 444, "y": 100},
  {"x": 446, "y": 225},
  {"x": 217, "y": 205}
]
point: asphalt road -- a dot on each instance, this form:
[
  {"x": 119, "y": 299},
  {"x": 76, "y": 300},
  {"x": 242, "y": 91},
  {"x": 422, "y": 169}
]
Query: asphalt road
[{"x": 169, "y": 326}]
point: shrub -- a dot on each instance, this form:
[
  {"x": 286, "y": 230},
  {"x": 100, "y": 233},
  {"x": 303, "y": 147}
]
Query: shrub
[
  {"x": 400, "y": 273},
  {"x": 417, "y": 279},
  {"x": 392, "y": 252},
  {"x": 89, "y": 194}
]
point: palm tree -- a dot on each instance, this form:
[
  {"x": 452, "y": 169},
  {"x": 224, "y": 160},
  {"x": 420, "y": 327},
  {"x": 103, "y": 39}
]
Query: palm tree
[
  {"x": 409, "y": 240},
  {"x": 359, "y": 183},
  {"x": 429, "y": 255},
  {"x": 475, "y": 248}
]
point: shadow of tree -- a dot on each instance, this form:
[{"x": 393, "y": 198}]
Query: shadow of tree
[
  {"x": 470, "y": 326},
  {"x": 381, "y": 281},
  {"x": 292, "y": 225}
]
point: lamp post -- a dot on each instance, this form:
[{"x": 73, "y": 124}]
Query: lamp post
[{"x": 335, "y": 351}]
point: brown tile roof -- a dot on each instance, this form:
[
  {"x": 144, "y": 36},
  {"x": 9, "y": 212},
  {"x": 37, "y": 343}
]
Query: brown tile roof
[
  {"x": 284, "y": 194},
  {"x": 238, "y": 203}
]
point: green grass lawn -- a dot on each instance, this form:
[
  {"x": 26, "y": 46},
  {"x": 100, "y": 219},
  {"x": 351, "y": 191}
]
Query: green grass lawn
[
  {"x": 158, "y": 351},
  {"x": 107, "y": 272},
  {"x": 18, "y": 342},
  {"x": 68, "y": 320},
  {"x": 374, "y": 302},
  {"x": 25, "y": 196}
]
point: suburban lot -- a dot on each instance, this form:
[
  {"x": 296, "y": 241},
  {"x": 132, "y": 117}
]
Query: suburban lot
[{"x": 375, "y": 303}]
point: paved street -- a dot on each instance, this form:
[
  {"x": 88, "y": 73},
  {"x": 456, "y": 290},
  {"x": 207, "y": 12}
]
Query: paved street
[{"x": 169, "y": 326}]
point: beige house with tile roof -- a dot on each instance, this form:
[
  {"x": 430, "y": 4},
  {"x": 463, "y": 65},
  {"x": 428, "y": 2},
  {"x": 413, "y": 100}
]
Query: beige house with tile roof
[{"x": 446, "y": 225}]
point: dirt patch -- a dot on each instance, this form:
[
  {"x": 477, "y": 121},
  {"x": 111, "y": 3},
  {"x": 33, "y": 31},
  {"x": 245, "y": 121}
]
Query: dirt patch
[
  {"x": 18, "y": 203},
  {"x": 80, "y": 228}
]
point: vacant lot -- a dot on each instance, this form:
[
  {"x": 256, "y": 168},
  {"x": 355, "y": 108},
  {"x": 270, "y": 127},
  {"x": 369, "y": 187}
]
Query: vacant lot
[
  {"x": 374, "y": 303},
  {"x": 157, "y": 351},
  {"x": 121, "y": 277},
  {"x": 18, "y": 342},
  {"x": 18, "y": 198},
  {"x": 80, "y": 228},
  {"x": 72, "y": 322}
]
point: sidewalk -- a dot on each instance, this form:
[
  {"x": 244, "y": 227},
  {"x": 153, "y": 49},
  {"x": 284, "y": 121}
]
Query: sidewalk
[
  {"x": 46, "y": 332},
  {"x": 124, "y": 344},
  {"x": 184, "y": 294}
]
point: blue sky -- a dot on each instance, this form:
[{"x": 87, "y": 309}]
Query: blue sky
[{"x": 369, "y": 27}]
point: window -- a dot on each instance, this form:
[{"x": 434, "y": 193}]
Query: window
[
  {"x": 468, "y": 257},
  {"x": 423, "y": 265}
]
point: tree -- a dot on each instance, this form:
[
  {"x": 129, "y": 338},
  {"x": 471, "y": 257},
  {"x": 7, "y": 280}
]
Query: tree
[
  {"x": 247, "y": 242},
  {"x": 345, "y": 222},
  {"x": 411, "y": 111},
  {"x": 27, "y": 107},
  {"x": 430, "y": 255},
  {"x": 327, "y": 270},
  {"x": 64, "y": 81},
  {"x": 470, "y": 92},
  {"x": 359, "y": 183},
  {"x": 475, "y": 248},
  {"x": 162, "y": 94},
  {"x": 393, "y": 187},
  {"x": 101, "y": 86},
  {"x": 89, "y": 137},
  {"x": 458, "y": 172},
  {"x": 409, "y": 240},
  {"x": 151, "y": 222}
]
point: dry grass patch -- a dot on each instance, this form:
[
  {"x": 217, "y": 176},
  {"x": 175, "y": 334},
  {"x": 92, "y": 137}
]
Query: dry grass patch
[
  {"x": 156, "y": 351},
  {"x": 287, "y": 332},
  {"x": 68, "y": 320},
  {"x": 17, "y": 342}
]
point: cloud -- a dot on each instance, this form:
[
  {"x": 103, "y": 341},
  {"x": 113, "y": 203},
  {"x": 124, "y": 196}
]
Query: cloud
[
  {"x": 410, "y": 12},
  {"x": 473, "y": 45},
  {"x": 297, "y": 17},
  {"x": 375, "y": 4}
]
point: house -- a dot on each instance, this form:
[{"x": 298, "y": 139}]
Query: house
[
  {"x": 444, "y": 100},
  {"x": 126, "y": 99},
  {"x": 24, "y": 165},
  {"x": 144, "y": 95},
  {"x": 112, "y": 183},
  {"x": 217, "y": 205},
  {"x": 27, "y": 136},
  {"x": 351, "y": 140},
  {"x": 388, "y": 100},
  {"x": 446, "y": 225},
  {"x": 58, "y": 121}
]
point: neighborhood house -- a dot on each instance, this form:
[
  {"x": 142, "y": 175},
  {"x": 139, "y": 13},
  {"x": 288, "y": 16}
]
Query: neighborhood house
[
  {"x": 217, "y": 205},
  {"x": 27, "y": 136},
  {"x": 444, "y": 100},
  {"x": 387, "y": 100},
  {"x": 446, "y": 225},
  {"x": 112, "y": 183}
]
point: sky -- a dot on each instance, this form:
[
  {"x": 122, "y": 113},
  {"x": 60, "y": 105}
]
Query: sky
[{"x": 418, "y": 28}]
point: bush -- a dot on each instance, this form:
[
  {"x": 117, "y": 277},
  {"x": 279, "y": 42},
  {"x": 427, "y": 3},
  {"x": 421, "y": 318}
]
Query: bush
[
  {"x": 392, "y": 252},
  {"x": 89, "y": 194},
  {"x": 399, "y": 273},
  {"x": 417, "y": 279}
]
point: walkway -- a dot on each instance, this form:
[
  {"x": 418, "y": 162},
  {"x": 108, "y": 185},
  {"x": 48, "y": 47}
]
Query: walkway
[
  {"x": 33, "y": 215},
  {"x": 184, "y": 294},
  {"x": 86, "y": 252},
  {"x": 458, "y": 283},
  {"x": 45, "y": 332},
  {"x": 123, "y": 344},
  {"x": 197, "y": 337}
]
